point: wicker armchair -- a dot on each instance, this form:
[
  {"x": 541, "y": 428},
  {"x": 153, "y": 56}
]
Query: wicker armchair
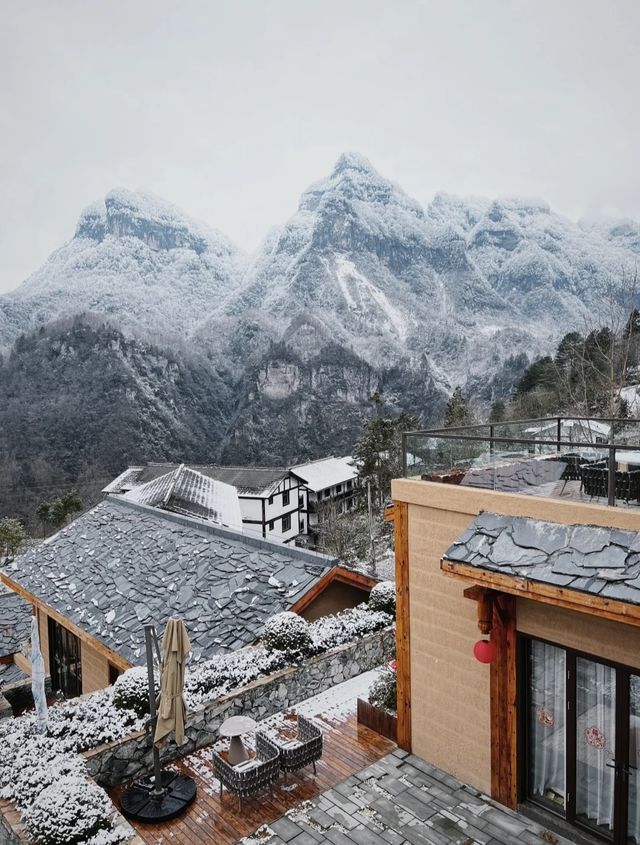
[
  {"x": 245, "y": 783},
  {"x": 306, "y": 751}
]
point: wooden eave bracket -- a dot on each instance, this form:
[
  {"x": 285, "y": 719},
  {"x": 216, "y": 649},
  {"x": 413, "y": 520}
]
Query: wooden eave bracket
[{"x": 484, "y": 579}]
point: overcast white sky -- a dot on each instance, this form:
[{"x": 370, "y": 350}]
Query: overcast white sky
[{"x": 230, "y": 109}]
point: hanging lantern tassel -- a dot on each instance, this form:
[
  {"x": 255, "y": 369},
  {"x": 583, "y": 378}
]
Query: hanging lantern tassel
[{"x": 485, "y": 650}]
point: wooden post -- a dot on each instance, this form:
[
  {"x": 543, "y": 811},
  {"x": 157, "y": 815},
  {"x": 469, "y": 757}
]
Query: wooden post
[
  {"x": 504, "y": 774},
  {"x": 403, "y": 651}
]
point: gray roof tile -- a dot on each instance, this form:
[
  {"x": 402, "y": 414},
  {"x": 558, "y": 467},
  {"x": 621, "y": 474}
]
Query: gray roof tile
[
  {"x": 602, "y": 561},
  {"x": 129, "y": 571},
  {"x": 15, "y": 621}
]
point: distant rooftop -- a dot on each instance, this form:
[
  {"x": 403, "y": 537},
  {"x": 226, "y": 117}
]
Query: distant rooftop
[
  {"x": 326, "y": 472},
  {"x": 185, "y": 490},
  {"x": 601, "y": 561},
  {"x": 123, "y": 564},
  {"x": 247, "y": 480}
]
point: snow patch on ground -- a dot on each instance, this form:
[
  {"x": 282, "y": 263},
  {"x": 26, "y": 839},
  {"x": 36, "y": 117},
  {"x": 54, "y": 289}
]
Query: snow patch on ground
[{"x": 364, "y": 290}]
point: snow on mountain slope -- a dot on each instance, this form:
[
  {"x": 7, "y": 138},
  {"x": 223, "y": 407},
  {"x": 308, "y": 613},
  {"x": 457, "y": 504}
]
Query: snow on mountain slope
[{"x": 137, "y": 260}]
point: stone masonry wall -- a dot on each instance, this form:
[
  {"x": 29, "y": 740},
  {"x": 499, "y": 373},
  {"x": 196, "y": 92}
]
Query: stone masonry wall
[{"x": 117, "y": 762}]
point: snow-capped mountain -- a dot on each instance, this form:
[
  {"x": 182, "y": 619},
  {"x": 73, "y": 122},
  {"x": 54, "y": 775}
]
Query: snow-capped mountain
[{"x": 136, "y": 260}]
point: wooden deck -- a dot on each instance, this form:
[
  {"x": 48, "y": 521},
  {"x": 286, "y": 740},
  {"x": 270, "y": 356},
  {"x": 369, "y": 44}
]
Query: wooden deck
[{"x": 348, "y": 747}]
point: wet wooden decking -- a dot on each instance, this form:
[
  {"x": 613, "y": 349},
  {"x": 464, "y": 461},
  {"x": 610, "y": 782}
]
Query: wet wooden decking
[{"x": 348, "y": 747}]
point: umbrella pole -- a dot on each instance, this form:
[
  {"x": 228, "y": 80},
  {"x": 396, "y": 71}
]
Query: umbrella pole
[{"x": 157, "y": 791}]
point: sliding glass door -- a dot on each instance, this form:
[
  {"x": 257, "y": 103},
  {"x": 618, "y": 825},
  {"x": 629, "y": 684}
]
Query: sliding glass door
[{"x": 582, "y": 727}]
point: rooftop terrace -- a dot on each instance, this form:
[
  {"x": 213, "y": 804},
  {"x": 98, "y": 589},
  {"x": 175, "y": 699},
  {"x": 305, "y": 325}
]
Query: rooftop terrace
[{"x": 577, "y": 458}]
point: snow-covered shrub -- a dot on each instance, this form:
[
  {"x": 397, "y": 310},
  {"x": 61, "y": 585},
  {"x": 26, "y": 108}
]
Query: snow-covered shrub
[
  {"x": 383, "y": 597},
  {"x": 289, "y": 633},
  {"x": 347, "y": 626},
  {"x": 32, "y": 780},
  {"x": 226, "y": 672},
  {"x": 131, "y": 691},
  {"x": 383, "y": 691},
  {"x": 91, "y": 721},
  {"x": 68, "y": 812}
]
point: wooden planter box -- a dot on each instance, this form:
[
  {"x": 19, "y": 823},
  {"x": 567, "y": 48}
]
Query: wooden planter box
[{"x": 386, "y": 724}]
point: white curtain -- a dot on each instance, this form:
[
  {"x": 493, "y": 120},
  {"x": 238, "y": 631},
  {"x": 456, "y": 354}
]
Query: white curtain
[
  {"x": 548, "y": 675},
  {"x": 595, "y": 741}
]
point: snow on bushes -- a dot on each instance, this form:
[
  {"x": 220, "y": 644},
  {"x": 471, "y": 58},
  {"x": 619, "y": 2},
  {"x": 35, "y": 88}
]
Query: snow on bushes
[
  {"x": 93, "y": 720},
  {"x": 347, "y": 626},
  {"x": 70, "y": 811},
  {"x": 131, "y": 691},
  {"x": 225, "y": 672},
  {"x": 289, "y": 633},
  {"x": 383, "y": 597},
  {"x": 383, "y": 692},
  {"x": 34, "y": 769}
]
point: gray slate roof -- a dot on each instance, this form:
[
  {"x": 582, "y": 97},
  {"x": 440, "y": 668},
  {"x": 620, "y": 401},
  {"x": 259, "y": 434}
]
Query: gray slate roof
[
  {"x": 248, "y": 480},
  {"x": 601, "y": 561},
  {"x": 123, "y": 564},
  {"x": 515, "y": 476},
  {"x": 15, "y": 621}
]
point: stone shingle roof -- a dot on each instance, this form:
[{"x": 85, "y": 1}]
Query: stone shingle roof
[
  {"x": 15, "y": 621},
  {"x": 123, "y": 564},
  {"x": 601, "y": 561}
]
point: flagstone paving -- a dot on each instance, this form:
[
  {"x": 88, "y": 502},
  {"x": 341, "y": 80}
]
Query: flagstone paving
[{"x": 401, "y": 800}]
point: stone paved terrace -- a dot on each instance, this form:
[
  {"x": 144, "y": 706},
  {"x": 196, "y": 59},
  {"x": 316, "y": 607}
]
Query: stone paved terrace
[{"x": 401, "y": 800}]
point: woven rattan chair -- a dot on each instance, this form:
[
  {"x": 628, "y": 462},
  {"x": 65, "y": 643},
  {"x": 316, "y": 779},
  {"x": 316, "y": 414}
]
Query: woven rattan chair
[
  {"x": 249, "y": 782},
  {"x": 307, "y": 750}
]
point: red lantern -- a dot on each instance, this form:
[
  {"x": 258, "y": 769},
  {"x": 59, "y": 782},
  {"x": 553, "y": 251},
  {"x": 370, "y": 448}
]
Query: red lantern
[{"x": 485, "y": 651}]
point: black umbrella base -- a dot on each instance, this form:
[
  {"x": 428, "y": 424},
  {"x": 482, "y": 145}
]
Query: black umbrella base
[{"x": 138, "y": 802}]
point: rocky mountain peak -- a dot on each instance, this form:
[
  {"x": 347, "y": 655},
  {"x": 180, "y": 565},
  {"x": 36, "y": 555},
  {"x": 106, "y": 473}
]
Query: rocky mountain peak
[{"x": 142, "y": 215}]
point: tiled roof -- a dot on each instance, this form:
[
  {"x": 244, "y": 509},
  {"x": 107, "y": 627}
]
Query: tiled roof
[
  {"x": 601, "y": 561},
  {"x": 515, "y": 476},
  {"x": 15, "y": 621},
  {"x": 121, "y": 565},
  {"x": 326, "y": 472},
  {"x": 185, "y": 490},
  {"x": 247, "y": 480}
]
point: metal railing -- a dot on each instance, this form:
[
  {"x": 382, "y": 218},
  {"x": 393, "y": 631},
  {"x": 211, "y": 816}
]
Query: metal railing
[{"x": 588, "y": 445}]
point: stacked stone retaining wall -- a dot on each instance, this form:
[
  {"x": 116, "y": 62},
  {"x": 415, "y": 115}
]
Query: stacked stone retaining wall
[{"x": 117, "y": 762}]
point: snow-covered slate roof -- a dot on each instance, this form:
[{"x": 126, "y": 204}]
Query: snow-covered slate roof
[
  {"x": 15, "y": 621},
  {"x": 601, "y": 561},
  {"x": 185, "y": 490},
  {"x": 122, "y": 564},
  {"x": 326, "y": 472},
  {"x": 253, "y": 481}
]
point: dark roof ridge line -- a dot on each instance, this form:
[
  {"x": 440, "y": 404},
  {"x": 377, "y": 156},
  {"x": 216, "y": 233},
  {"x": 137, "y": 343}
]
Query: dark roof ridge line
[{"x": 206, "y": 527}]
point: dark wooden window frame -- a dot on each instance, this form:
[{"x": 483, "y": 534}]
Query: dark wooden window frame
[
  {"x": 622, "y": 738},
  {"x": 64, "y": 648}
]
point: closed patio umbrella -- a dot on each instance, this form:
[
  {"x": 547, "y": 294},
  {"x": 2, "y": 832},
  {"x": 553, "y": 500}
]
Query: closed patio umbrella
[
  {"x": 38, "y": 677},
  {"x": 171, "y": 706}
]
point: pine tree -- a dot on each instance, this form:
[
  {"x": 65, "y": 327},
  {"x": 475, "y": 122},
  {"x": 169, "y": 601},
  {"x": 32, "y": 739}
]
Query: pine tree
[
  {"x": 498, "y": 411},
  {"x": 12, "y": 536},
  {"x": 458, "y": 411}
]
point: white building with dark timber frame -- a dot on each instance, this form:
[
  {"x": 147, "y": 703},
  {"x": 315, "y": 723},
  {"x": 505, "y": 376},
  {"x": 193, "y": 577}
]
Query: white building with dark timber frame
[{"x": 273, "y": 500}]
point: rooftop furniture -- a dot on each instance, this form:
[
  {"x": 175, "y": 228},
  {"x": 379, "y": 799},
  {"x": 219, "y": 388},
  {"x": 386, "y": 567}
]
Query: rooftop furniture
[
  {"x": 233, "y": 728},
  {"x": 251, "y": 777},
  {"x": 303, "y": 751},
  {"x": 595, "y": 482}
]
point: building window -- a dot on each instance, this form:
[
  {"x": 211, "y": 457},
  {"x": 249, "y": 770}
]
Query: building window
[
  {"x": 270, "y": 525},
  {"x": 300, "y": 501},
  {"x": 65, "y": 663},
  {"x": 286, "y": 523},
  {"x": 301, "y": 526},
  {"x": 338, "y": 488},
  {"x": 349, "y": 484},
  {"x": 285, "y": 497},
  {"x": 270, "y": 500},
  {"x": 327, "y": 492}
]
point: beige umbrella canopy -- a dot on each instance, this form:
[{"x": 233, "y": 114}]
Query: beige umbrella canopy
[{"x": 171, "y": 706}]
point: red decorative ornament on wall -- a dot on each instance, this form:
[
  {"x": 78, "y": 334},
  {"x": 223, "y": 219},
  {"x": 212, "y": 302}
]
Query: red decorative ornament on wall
[{"x": 485, "y": 651}]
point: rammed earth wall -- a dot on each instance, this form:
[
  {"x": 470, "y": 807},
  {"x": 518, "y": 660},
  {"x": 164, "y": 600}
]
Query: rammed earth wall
[{"x": 117, "y": 762}]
